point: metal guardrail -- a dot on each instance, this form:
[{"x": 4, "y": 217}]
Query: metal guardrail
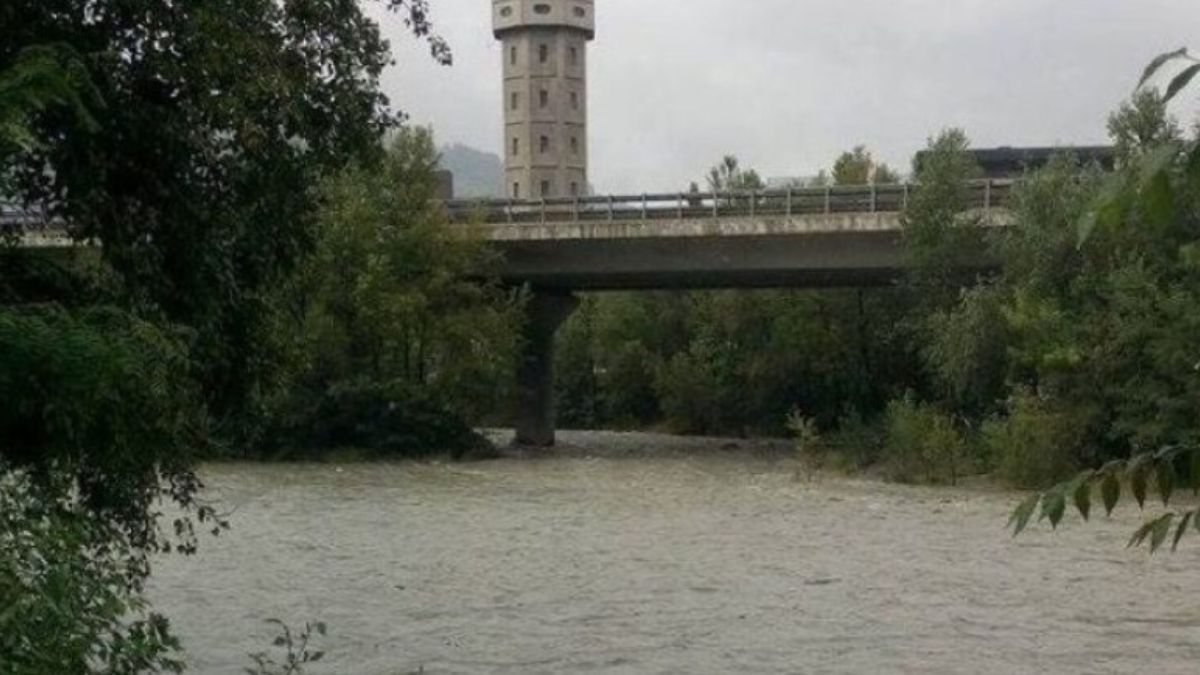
[{"x": 982, "y": 194}]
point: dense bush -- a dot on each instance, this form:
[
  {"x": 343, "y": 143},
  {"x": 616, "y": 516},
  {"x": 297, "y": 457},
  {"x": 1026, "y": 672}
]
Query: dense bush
[
  {"x": 393, "y": 419},
  {"x": 1034, "y": 445},
  {"x": 99, "y": 425},
  {"x": 922, "y": 444},
  {"x": 98, "y": 404},
  {"x": 66, "y": 605}
]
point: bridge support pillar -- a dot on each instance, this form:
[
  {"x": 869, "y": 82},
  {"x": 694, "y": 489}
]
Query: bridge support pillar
[{"x": 535, "y": 370}]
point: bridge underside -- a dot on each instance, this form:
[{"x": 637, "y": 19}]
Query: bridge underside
[
  {"x": 818, "y": 260},
  {"x": 557, "y": 260}
]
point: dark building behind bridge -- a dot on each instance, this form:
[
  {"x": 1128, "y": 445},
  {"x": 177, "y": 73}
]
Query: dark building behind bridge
[{"x": 1009, "y": 162}]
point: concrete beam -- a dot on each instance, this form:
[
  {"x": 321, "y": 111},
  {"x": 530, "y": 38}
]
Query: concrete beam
[{"x": 808, "y": 251}]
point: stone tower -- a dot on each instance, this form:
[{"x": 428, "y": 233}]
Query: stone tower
[{"x": 545, "y": 94}]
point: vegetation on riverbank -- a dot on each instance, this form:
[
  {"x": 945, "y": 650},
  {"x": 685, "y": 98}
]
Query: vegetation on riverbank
[
  {"x": 191, "y": 142},
  {"x": 1067, "y": 356}
]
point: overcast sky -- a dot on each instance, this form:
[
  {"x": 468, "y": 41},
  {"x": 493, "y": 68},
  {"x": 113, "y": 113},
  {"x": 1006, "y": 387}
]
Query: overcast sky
[{"x": 788, "y": 84}]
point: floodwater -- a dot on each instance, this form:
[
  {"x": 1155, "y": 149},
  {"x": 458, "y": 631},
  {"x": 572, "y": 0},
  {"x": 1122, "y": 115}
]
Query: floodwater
[{"x": 717, "y": 562}]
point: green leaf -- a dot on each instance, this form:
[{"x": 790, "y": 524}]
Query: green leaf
[
  {"x": 1183, "y": 526},
  {"x": 1159, "y": 529},
  {"x": 1158, "y": 62},
  {"x": 1180, "y": 81},
  {"x": 1140, "y": 535},
  {"x": 1110, "y": 492},
  {"x": 1054, "y": 507},
  {"x": 1083, "y": 497},
  {"x": 1020, "y": 517},
  {"x": 1137, "y": 483},
  {"x": 1165, "y": 473}
]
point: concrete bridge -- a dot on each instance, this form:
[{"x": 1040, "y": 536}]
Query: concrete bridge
[
  {"x": 798, "y": 238},
  {"x": 803, "y": 238}
]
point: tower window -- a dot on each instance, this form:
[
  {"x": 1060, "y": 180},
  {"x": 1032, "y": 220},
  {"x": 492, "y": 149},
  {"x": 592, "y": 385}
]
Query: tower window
[
  {"x": 575, "y": 100},
  {"x": 545, "y": 188},
  {"x": 574, "y": 145},
  {"x": 544, "y": 98},
  {"x": 580, "y": 12},
  {"x": 516, "y": 146},
  {"x": 574, "y": 189},
  {"x": 516, "y": 190},
  {"x": 516, "y": 100},
  {"x": 512, "y": 55},
  {"x": 541, "y": 9},
  {"x": 574, "y": 56},
  {"x": 545, "y": 144},
  {"x": 543, "y": 53}
]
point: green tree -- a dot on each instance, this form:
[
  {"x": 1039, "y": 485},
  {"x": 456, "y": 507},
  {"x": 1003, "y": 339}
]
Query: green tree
[
  {"x": 99, "y": 423},
  {"x": 853, "y": 167},
  {"x": 396, "y": 312},
  {"x": 729, "y": 175},
  {"x": 939, "y": 231},
  {"x": 1142, "y": 124},
  {"x": 858, "y": 167},
  {"x": 1141, "y": 229},
  {"x": 199, "y": 178}
]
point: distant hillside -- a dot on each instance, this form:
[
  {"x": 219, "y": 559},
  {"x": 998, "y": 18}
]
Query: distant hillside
[{"x": 476, "y": 173}]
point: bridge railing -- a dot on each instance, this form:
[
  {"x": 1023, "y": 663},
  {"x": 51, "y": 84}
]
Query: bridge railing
[{"x": 982, "y": 194}]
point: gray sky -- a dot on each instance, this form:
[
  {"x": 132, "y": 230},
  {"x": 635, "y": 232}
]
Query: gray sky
[{"x": 788, "y": 84}]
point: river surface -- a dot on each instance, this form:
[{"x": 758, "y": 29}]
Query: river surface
[{"x": 719, "y": 561}]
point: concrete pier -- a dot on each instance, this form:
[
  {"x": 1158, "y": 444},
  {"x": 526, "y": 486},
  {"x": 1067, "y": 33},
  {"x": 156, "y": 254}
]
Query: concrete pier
[{"x": 535, "y": 372}]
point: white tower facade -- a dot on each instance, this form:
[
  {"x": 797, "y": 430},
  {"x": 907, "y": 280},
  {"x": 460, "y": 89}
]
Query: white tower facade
[{"x": 545, "y": 94}]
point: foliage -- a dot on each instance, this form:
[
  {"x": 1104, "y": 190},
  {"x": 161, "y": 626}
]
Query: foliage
[
  {"x": 858, "y": 167},
  {"x": 922, "y": 444},
  {"x": 1140, "y": 123},
  {"x": 42, "y": 78},
  {"x": 296, "y": 651},
  {"x": 1137, "y": 241},
  {"x": 1166, "y": 471},
  {"x": 1035, "y": 445},
  {"x": 220, "y": 119},
  {"x": 402, "y": 339},
  {"x": 66, "y": 605},
  {"x": 98, "y": 407},
  {"x": 939, "y": 232},
  {"x": 857, "y": 441},
  {"x": 734, "y": 362},
  {"x": 385, "y": 419},
  {"x": 811, "y": 448},
  {"x": 966, "y": 350},
  {"x": 729, "y": 175}
]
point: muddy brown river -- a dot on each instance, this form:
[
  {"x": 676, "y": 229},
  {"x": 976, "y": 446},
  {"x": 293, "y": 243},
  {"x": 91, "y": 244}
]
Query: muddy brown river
[{"x": 720, "y": 561}]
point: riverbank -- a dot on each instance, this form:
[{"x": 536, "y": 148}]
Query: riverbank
[{"x": 638, "y": 444}]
